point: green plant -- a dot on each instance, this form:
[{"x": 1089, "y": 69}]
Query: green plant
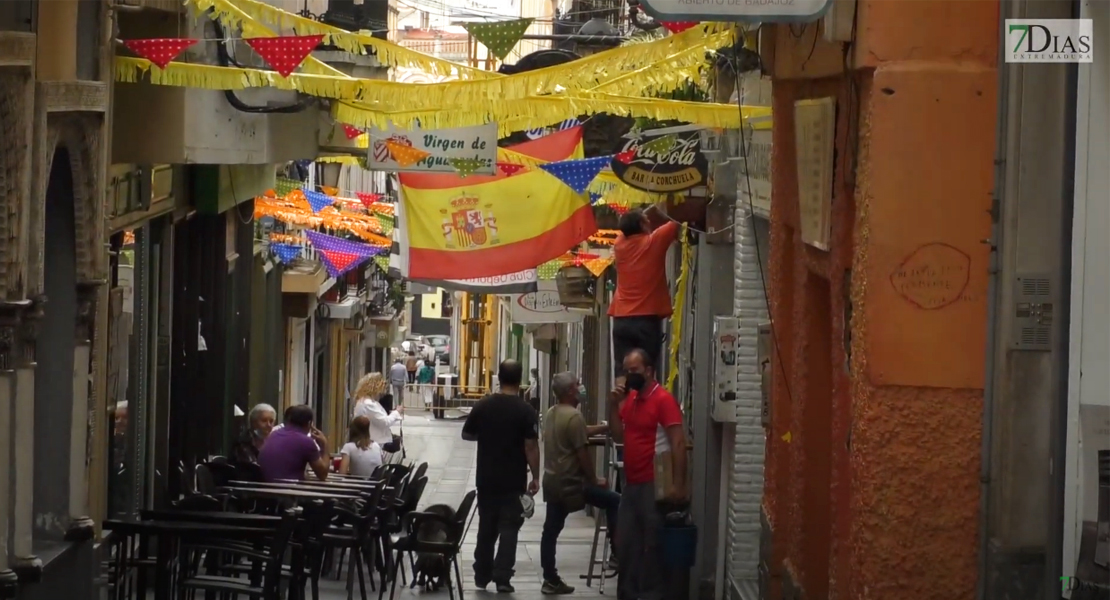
[{"x": 396, "y": 295}]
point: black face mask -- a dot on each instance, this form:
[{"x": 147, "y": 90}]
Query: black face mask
[{"x": 635, "y": 382}]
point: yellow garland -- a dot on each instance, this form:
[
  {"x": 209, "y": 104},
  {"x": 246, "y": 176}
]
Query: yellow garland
[
  {"x": 680, "y": 51},
  {"x": 679, "y": 308},
  {"x": 538, "y": 110},
  {"x": 388, "y": 53}
]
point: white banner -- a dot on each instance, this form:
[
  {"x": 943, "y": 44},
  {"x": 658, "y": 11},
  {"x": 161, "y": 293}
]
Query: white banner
[
  {"x": 541, "y": 306},
  {"x": 478, "y": 142}
]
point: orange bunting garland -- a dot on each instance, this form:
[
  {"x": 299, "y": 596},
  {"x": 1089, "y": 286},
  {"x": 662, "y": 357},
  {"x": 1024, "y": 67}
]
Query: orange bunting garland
[{"x": 293, "y": 209}]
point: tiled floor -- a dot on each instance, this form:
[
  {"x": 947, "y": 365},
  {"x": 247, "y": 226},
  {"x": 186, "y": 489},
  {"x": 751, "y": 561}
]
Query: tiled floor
[{"x": 450, "y": 476}]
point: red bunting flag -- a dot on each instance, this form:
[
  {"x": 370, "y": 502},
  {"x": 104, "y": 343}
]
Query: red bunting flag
[
  {"x": 626, "y": 156},
  {"x": 284, "y": 54},
  {"x": 509, "y": 168},
  {"x": 337, "y": 263},
  {"x": 368, "y": 199},
  {"x": 351, "y": 131},
  {"x": 160, "y": 51},
  {"x": 678, "y": 26}
]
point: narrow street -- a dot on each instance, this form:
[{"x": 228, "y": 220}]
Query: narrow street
[{"x": 450, "y": 474}]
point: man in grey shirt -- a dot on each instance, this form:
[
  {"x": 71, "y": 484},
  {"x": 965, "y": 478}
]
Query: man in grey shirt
[{"x": 398, "y": 377}]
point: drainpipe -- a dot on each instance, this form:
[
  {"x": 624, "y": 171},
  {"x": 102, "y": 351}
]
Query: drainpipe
[{"x": 1006, "y": 8}]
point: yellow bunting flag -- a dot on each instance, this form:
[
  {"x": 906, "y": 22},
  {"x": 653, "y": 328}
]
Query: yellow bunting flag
[
  {"x": 405, "y": 156},
  {"x": 597, "y": 266},
  {"x": 500, "y": 37},
  {"x": 465, "y": 166},
  {"x": 661, "y": 145}
]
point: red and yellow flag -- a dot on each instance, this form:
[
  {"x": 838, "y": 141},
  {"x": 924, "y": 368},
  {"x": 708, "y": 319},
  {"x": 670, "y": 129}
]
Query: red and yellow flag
[{"x": 489, "y": 225}]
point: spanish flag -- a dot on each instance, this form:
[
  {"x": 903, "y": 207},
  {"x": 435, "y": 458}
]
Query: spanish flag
[{"x": 489, "y": 225}]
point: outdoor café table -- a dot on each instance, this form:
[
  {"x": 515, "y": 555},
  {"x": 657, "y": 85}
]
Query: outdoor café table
[
  {"x": 367, "y": 486},
  {"x": 236, "y": 519},
  {"x": 169, "y": 533},
  {"x": 288, "y": 492}
]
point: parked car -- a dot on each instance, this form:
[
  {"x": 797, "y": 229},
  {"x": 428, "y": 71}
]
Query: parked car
[{"x": 442, "y": 346}]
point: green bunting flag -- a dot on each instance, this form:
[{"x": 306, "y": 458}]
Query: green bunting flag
[
  {"x": 382, "y": 262},
  {"x": 284, "y": 185},
  {"x": 660, "y": 145},
  {"x": 499, "y": 37},
  {"x": 465, "y": 166}
]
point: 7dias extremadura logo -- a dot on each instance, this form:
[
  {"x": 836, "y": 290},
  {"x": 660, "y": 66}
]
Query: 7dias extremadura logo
[{"x": 1049, "y": 41}]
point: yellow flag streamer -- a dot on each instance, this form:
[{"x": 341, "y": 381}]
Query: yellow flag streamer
[{"x": 679, "y": 308}]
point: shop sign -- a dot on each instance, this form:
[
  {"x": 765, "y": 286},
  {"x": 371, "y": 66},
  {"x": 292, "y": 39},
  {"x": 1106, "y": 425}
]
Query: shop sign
[
  {"x": 680, "y": 168},
  {"x": 754, "y": 11},
  {"x": 442, "y": 145},
  {"x": 541, "y": 306},
  {"x": 521, "y": 282}
]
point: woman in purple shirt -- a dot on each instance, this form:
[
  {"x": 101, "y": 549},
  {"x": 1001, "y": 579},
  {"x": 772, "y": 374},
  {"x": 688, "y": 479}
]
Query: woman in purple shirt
[{"x": 297, "y": 445}]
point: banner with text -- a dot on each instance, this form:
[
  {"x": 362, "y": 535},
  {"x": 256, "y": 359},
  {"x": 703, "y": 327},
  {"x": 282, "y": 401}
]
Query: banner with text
[
  {"x": 521, "y": 282},
  {"x": 478, "y": 143},
  {"x": 541, "y": 306}
]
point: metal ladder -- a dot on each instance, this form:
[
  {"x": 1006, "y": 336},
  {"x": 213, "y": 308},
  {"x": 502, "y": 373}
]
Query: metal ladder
[{"x": 601, "y": 525}]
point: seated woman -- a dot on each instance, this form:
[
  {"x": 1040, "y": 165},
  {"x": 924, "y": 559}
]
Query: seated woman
[
  {"x": 361, "y": 455},
  {"x": 260, "y": 422}
]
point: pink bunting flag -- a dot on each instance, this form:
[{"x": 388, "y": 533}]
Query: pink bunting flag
[
  {"x": 160, "y": 51},
  {"x": 368, "y": 199},
  {"x": 626, "y": 156},
  {"x": 678, "y": 26},
  {"x": 509, "y": 168},
  {"x": 351, "y": 131},
  {"x": 284, "y": 54}
]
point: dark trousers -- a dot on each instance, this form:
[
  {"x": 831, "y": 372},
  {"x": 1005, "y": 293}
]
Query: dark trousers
[
  {"x": 630, "y": 333},
  {"x": 412, "y": 376},
  {"x": 638, "y": 544},
  {"x": 606, "y": 500},
  {"x": 499, "y": 520}
]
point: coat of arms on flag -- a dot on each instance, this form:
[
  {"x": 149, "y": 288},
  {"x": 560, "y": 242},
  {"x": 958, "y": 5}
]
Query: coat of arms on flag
[{"x": 466, "y": 226}]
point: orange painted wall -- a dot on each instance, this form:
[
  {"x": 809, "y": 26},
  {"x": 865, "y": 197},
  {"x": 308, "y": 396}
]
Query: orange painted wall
[{"x": 875, "y": 496}]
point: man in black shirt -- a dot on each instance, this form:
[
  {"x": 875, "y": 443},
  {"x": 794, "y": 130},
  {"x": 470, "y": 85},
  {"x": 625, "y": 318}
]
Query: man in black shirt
[{"x": 506, "y": 430}]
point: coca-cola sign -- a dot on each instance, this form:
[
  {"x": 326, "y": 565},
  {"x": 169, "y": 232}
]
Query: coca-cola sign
[{"x": 676, "y": 169}]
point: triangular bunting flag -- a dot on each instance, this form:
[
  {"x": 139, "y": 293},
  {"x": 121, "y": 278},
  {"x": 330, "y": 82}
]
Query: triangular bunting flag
[
  {"x": 318, "y": 200},
  {"x": 594, "y": 197},
  {"x": 382, "y": 262},
  {"x": 465, "y": 166},
  {"x": 160, "y": 51},
  {"x": 626, "y": 156},
  {"x": 367, "y": 198},
  {"x": 678, "y": 26},
  {"x": 386, "y": 223},
  {"x": 286, "y": 252},
  {"x": 351, "y": 131},
  {"x": 500, "y": 37},
  {"x": 549, "y": 269},
  {"x": 597, "y": 266},
  {"x": 330, "y": 243},
  {"x": 660, "y": 145},
  {"x": 329, "y": 190},
  {"x": 509, "y": 168},
  {"x": 338, "y": 263},
  {"x": 577, "y": 174},
  {"x": 620, "y": 209},
  {"x": 284, "y": 54},
  {"x": 405, "y": 156},
  {"x": 284, "y": 185}
]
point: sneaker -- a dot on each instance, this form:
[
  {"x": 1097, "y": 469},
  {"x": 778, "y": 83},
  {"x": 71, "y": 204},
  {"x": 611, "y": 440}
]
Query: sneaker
[
  {"x": 480, "y": 583},
  {"x": 555, "y": 586},
  {"x": 505, "y": 588}
]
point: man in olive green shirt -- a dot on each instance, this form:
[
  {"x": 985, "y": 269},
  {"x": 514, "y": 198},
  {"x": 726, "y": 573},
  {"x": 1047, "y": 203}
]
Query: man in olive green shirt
[{"x": 569, "y": 479}]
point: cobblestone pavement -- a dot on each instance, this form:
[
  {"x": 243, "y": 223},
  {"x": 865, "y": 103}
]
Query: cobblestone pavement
[{"x": 450, "y": 475}]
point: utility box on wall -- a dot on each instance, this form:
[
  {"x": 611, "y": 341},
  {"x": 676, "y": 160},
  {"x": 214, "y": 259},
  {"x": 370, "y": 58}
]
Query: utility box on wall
[
  {"x": 764, "y": 352},
  {"x": 726, "y": 370}
]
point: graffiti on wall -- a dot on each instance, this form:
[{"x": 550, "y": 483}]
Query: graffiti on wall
[{"x": 933, "y": 276}]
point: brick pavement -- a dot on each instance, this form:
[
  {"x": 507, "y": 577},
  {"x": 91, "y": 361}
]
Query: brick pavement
[{"x": 450, "y": 475}]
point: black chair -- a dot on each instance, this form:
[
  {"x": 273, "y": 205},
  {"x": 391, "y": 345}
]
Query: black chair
[
  {"x": 449, "y": 549},
  {"x": 351, "y": 532},
  {"x": 265, "y": 582},
  {"x": 420, "y": 471}
]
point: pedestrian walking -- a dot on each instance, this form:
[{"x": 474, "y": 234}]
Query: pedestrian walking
[
  {"x": 398, "y": 376},
  {"x": 506, "y": 430}
]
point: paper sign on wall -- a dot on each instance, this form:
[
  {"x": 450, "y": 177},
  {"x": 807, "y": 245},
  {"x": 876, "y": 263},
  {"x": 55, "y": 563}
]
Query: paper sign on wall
[{"x": 442, "y": 145}]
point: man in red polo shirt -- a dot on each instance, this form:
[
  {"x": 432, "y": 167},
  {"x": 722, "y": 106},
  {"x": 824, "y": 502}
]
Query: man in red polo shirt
[
  {"x": 643, "y": 296},
  {"x": 648, "y": 421}
]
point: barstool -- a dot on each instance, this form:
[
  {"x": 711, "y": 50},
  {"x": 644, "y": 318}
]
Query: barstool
[{"x": 601, "y": 526}]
